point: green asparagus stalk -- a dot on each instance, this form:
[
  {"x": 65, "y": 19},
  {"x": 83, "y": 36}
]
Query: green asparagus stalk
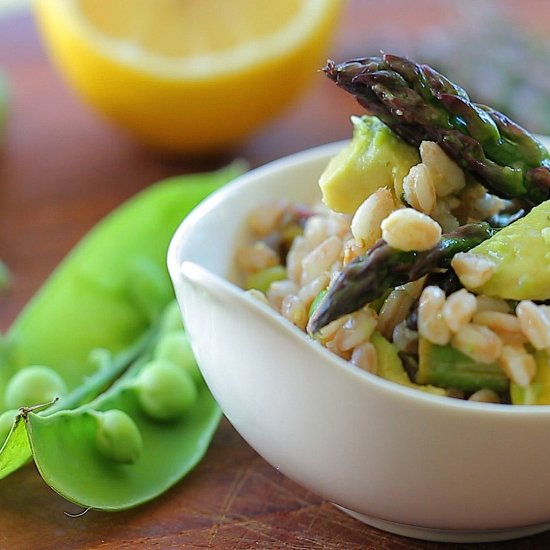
[
  {"x": 368, "y": 277},
  {"x": 419, "y": 104}
]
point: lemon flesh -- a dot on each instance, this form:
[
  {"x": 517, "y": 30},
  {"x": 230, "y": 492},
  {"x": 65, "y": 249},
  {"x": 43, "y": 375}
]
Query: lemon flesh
[{"x": 193, "y": 76}]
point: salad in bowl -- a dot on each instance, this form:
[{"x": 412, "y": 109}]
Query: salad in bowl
[
  {"x": 372, "y": 315},
  {"x": 430, "y": 247}
]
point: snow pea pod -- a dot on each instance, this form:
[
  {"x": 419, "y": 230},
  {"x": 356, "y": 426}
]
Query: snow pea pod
[
  {"x": 169, "y": 449},
  {"x": 94, "y": 322}
]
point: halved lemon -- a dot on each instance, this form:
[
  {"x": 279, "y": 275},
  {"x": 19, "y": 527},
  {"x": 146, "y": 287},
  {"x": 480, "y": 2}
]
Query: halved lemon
[{"x": 188, "y": 76}]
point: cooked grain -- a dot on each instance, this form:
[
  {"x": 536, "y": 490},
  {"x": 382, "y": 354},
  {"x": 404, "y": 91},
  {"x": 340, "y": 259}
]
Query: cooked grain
[
  {"x": 518, "y": 364},
  {"x": 364, "y": 356},
  {"x": 534, "y": 323},
  {"x": 418, "y": 189},
  {"x": 365, "y": 224},
  {"x": 309, "y": 292},
  {"x": 293, "y": 309},
  {"x": 478, "y": 342},
  {"x": 357, "y": 329},
  {"x": 320, "y": 259},
  {"x": 265, "y": 218},
  {"x": 278, "y": 290},
  {"x": 472, "y": 270},
  {"x": 256, "y": 257},
  {"x": 459, "y": 309},
  {"x": 446, "y": 175},
  {"x": 431, "y": 324},
  {"x": 408, "y": 229},
  {"x": 485, "y": 395}
]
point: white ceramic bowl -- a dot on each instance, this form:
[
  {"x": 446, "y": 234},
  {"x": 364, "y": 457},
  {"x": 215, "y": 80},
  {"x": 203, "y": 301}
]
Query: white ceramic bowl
[{"x": 402, "y": 460}]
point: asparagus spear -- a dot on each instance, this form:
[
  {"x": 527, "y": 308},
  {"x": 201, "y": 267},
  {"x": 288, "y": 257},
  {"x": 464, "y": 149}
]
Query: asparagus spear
[
  {"x": 367, "y": 277},
  {"x": 418, "y": 104}
]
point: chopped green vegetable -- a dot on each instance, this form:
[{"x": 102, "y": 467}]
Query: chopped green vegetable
[
  {"x": 95, "y": 324},
  {"x": 447, "y": 367}
]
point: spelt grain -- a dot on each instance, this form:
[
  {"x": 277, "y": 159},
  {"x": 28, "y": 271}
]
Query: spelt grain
[
  {"x": 485, "y": 395},
  {"x": 408, "y": 229},
  {"x": 472, "y": 270},
  {"x": 419, "y": 190},
  {"x": 256, "y": 257},
  {"x": 365, "y": 224},
  {"x": 446, "y": 175},
  {"x": 265, "y": 218},
  {"x": 431, "y": 324},
  {"x": 364, "y": 356},
  {"x": 478, "y": 342},
  {"x": 459, "y": 309},
  {"x": 315, "y": 231},
  {"x": 293, "y": 309},
  {"x": 534, "y": 323},
  {"x": 518, "y": 364},
  {"x": 298, "y": 250},
  {"x": 278, "y": 290},
  {"x": 310, "y": 291},
  {"x": 357, "y": 329},
  {"x": 320, "y": 259}
]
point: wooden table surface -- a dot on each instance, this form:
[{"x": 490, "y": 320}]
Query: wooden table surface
[{"x": 62, "y": 169}]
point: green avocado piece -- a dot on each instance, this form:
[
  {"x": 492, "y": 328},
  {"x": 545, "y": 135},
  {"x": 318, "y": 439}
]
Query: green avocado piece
[
  {"x": 374, "y": 158},
  {"x": 391, "y": 368},
  {"x": 521, "y": 254},
  {"x": 538, "y": 391}
]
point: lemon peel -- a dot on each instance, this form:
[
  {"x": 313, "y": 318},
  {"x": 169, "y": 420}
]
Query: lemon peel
[{"x": 194, "y": 90}]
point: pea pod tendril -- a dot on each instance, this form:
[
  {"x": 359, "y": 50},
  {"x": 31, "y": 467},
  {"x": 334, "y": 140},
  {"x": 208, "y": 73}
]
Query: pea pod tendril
[{"x": 104, "y": 317}]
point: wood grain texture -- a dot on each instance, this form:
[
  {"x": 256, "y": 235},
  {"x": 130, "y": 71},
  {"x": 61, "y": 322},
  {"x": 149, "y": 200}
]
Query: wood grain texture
[{"x": 62, "y": 170}]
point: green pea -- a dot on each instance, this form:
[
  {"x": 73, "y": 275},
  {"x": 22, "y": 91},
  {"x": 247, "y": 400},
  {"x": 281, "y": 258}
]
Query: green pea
[
  {"x": 165, "y": 392},
  {"x": 34, "y": 385},
  {"x": 117, "y": 437},
  {"x": 175, "y": 347},
  {"x": 6, "y": 422}
]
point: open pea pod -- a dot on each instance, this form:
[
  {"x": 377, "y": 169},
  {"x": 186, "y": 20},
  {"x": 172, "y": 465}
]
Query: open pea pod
[
  {"x": 66, "y": 455},
  {"x": 146, "y": 454},
  {"x": 98, "y": 316}
]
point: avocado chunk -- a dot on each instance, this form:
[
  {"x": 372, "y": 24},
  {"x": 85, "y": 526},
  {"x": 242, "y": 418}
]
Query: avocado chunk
[
  {"x": 391, "y": 368},
  {"x": 538, "y": 391},
  {"x": 374, "y": 158},
  {"x": 521, "y": 254}
]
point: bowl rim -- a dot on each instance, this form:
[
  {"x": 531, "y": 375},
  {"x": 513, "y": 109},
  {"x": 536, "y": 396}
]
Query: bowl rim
[{"x": 216, "y": 282}]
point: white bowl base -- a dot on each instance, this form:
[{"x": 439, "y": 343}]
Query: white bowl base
[{"x": 447, "y": 535}]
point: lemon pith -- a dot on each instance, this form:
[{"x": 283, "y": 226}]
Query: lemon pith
[{"x": 171, "y": 90}]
